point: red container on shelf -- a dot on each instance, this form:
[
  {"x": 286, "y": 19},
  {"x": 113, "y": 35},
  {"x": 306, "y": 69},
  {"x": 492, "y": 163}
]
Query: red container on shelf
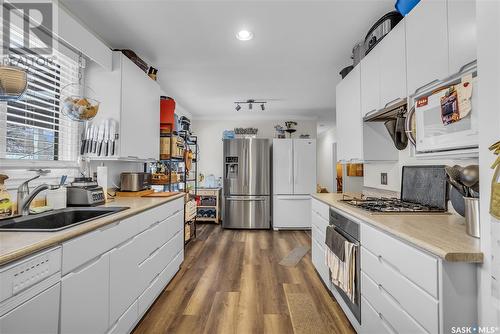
[{"x": 167, "y": 111}]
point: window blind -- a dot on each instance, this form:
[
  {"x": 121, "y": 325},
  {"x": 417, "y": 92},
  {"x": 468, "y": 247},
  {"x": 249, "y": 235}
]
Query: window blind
[{"x": 33, "y": 128}]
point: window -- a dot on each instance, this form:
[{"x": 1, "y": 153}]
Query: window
[{"x": 33, "y": 128}]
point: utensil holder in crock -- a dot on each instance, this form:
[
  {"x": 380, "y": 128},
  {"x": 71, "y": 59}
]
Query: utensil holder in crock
[{"x": 472, "y": 219}]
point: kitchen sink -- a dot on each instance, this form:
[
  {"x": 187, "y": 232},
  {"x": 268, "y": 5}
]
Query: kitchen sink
[{"x": 56, "y": 220}]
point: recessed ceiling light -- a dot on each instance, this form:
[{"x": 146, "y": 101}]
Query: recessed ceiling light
[{"x": 244, "y": 35}]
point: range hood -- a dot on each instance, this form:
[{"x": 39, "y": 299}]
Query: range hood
[{"x": 393, "y": 117}]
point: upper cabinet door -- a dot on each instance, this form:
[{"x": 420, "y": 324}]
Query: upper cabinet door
[
  {"x": 370, "y": 82},
  {"x": 462, "y": 33},
  {"x": 392, "y": 51},
  {"x": 140, "y": 114},
  {"x": 304, "y": 155},
  {"x": 349, "y": 121},
  {"x": 426, "y": 44},
  {"x": 283, "y": 166}
]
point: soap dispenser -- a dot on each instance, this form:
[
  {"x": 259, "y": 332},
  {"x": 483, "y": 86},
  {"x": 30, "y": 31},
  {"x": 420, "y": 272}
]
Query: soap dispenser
[{"x": 5, "y": 201}]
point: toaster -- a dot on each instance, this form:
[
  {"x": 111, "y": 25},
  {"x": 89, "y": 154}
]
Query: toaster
[{"x": 134, "y": 181}]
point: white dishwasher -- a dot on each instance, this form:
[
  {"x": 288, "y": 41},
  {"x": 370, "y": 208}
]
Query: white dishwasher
[{"x": 29, "y": 294}]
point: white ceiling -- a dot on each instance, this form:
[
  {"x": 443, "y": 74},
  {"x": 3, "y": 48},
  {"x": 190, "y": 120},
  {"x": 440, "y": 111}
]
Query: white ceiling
[{"x": 297, "y": 51}]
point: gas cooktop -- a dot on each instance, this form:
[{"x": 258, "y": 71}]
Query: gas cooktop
[{"x": 384, "y": 205}]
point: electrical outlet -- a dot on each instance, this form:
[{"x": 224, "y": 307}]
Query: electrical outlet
[{"x": 383, "y": 179}]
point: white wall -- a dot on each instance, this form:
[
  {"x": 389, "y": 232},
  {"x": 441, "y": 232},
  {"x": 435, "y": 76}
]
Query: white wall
[
  {"x": 488, "y": 35},
  {"x": 372, "y": 170},
  {"x": 209, "y": 134},
  {"x": 325, "y": 168}
]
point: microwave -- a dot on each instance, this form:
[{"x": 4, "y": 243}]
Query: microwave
[{"x": 432, "y": 132}]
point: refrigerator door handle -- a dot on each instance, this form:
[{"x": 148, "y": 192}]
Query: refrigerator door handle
[
  {"x": 295, "y": 169},
  {"x": 293, "y": 198},
  {"x": 246, "y": 198},
  {"x": 290, "y": 169}
]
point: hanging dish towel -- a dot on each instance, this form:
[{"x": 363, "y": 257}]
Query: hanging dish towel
[{"x": 340, "y": 257}]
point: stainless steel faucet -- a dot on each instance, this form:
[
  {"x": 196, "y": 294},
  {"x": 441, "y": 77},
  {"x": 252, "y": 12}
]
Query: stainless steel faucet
[{"x": 24, "y": 197}]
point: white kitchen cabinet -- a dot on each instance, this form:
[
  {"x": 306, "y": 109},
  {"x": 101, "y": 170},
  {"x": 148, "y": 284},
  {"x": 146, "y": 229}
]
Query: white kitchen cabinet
[
  {"x": 392, "y": 54},
  {"x": 85, "y": 298},
  {"x": 349, "y": 120},
  {"x": 140, "y": 117},
  {"x": 426, "y": 44},
  {"x": 370, "y": 82},
  {"x": 461, "y": 33},
  {"x": 39, "y": 314},
  {"x": 130, "y": 97}
]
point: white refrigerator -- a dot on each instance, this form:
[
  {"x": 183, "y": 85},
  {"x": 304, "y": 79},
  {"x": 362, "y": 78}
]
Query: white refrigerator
[{"x": 294, "y": 180}]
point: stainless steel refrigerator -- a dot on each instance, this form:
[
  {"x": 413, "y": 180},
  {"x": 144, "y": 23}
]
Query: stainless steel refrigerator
[{"x": 247, "y": 183}]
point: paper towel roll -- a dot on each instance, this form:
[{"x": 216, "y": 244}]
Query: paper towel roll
[{"x": 102, "y": 179}]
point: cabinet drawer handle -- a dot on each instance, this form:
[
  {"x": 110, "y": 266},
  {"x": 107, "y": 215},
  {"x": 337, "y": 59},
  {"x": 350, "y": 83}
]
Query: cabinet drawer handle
[
  {"x": 152, "y": 254},
  {"x": 370, "y": 112},
  {"x": 392, "y": 101},
  {"x": 156, "y": 276},
  {"x": 108, "y": 226},
  {"x": 384, "y": 291},
  {"x": 85, "y": 265},
  {"x": 155, "y": 224}
]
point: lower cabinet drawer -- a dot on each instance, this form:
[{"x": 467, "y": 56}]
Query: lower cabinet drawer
[
  {"x": 318, "y": 236},
  {"x": 371, "y": 321},
  {"x": 153, "y": 265},
  {"x": 388, "y": 308},
  {"x": 320, "y": 225},
  {"x": 409, "y": 261},
  {"x": 320, "y": 208},
  {"x": 79, "y": 250},
  {"x": 158, "y": 284},
  {"x": 126, "y": 321},
  {"x": 318, "y": 260},
  {"x": 418, "y": 303}
]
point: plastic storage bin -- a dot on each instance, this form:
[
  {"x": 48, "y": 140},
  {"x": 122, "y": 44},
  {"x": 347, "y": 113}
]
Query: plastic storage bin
[{"x": 405, "y": 6}]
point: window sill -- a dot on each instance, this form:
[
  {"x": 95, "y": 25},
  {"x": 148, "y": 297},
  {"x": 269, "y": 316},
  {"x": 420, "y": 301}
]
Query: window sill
[{"x": 26, "y": 164}]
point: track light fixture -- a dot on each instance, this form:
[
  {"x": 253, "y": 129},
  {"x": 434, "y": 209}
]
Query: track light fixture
[{"x": 250, "y": 103}]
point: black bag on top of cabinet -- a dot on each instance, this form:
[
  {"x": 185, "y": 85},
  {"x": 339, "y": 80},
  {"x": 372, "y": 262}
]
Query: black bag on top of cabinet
[{"x": 381, "y": 28}]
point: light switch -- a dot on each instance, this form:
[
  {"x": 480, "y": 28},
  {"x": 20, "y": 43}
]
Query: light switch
[{"x": 383, "y": 179}]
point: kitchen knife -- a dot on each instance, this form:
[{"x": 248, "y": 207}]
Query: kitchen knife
[
  {"x": 113, "y": 135},
  {"x": 100, "y": 138},
  {"x": 94, "y": 138},
  {"x": 82, "y": 143},
  {"x": 106, "y": 138},
  {"x": 88, "y": 133}
]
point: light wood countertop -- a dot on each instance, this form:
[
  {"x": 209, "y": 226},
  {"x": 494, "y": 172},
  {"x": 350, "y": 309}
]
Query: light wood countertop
[
  {"x": 441, "y": 235},
  {"x": 16, "y": 245}
]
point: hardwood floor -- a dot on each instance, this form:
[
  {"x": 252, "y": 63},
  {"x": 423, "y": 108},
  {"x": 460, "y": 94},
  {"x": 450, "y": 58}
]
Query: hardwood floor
[{"x": 231, "y": 282}]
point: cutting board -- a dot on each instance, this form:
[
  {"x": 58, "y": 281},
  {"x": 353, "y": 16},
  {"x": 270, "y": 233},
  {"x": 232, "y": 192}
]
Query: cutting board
[
  {"x": 161, "y": 194},
  {"x": 134, "y": 193}
]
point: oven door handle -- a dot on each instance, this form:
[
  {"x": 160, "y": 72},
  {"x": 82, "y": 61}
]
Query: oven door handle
[{"x": 347, "y": 236}]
